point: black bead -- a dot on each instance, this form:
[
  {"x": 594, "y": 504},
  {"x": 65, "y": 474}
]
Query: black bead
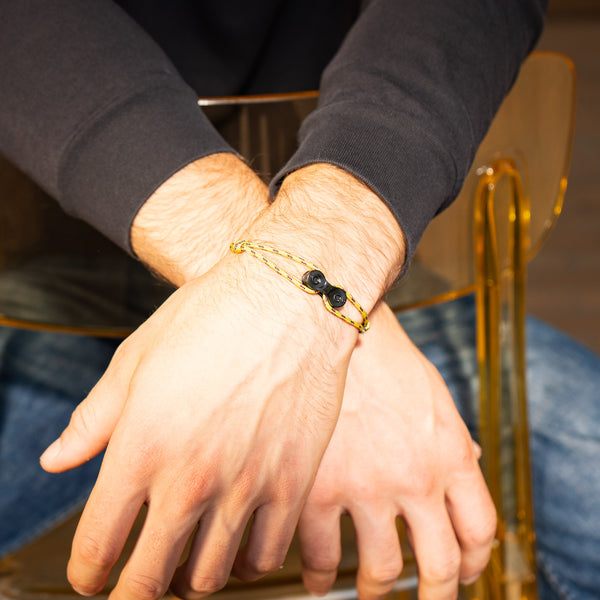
[
  {"x": 315, "y": 280},
  {"x": 337, "y": 297}
]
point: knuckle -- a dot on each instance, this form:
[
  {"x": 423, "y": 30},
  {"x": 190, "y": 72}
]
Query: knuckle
[
  {"x": 91, "y": 552},
  {"x": 207, "y": 585},
  {"x": 289, "y": 493},
  {"x": 422, "y": 486},
  {"x": 147, "y": 457},
  {"x": 144, "y": 587},
  {"x": 178, "y": 513},
  {"x": 384, "y": 574},
  {"x": 363, "y": 492},
  {"x": 464, "y": 456},
  {"x": 193, "y": 488},
  {"x": 244, "y": 490},
  {"x": 322, "y": 498},
  {"x": 445, "y": 570},
  {"x": 481, "y": 535},
  {"x": 265, "y": 564}
]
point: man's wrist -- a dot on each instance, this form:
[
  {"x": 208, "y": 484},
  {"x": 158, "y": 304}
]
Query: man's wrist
[
  {"x": 332, "y": 219},
  {"x": 186, "y": 226}
]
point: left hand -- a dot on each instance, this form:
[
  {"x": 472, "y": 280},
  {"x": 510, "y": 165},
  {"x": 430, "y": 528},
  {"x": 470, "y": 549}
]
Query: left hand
[{"x": 400, "y": 449}]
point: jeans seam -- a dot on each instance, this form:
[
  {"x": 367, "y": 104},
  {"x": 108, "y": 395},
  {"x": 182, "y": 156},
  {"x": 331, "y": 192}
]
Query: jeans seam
[{"x": 553, "y": 579}]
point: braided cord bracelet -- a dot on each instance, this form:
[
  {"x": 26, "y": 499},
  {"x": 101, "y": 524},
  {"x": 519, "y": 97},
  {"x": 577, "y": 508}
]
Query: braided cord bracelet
[{"x": 313, "y": 281}]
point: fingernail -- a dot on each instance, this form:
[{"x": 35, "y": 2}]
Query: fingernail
[{"x": 51, "y": 452}]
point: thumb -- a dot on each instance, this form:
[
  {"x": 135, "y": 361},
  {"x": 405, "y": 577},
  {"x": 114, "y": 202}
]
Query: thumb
[{"x": 87, "y": 433}]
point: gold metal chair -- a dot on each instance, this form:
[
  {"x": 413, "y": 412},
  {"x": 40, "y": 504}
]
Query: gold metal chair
[{"x": 509, "y": 202}]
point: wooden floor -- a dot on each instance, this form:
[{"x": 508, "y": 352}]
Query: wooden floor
[{"x": 564, "y": 279}]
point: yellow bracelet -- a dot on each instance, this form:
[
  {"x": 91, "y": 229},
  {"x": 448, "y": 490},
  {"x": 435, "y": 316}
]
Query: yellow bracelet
[{"x": 313, "y": 281}]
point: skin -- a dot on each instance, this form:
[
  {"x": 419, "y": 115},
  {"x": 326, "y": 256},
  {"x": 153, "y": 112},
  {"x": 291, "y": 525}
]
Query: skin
[
  {"x": 233, "y": 352},
  {"x": 400, "y": 449}
]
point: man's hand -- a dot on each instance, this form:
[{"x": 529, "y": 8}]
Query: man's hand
[
  {"x": 213, "y": 414},
  {"x": 400, "y": 449},
  {"x": 220, "y": 406}
]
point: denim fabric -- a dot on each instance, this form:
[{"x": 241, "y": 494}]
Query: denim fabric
[
  {"x": 43, "y": 376},
  {"x": 563, "y": 384}
]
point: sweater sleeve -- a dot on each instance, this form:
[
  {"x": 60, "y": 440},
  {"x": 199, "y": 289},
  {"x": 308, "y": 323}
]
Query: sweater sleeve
[
  {"x": 92, "y": 109},
  {"x": 410, "y": 95}
]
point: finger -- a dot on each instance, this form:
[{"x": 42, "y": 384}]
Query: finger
[
  {"x": 101, "y": 534},
  {"x": 92, "y": 422},
  {"x": 211, "y": 557},
  {"x": 269, "y": 538},
  {"x": 379, "y": 553},
  {"x": 87, "y": 434},
  {"x": 320, "y": 547},
  {"x": 436, "y": 550},
  {"x": 473, "y": 516},
  {"x": 158, "y": 549}
]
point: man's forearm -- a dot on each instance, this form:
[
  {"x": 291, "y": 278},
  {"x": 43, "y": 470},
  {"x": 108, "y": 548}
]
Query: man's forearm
[
  {"x": 321, "y": 212},
  {"x": 186, "y": 226}
]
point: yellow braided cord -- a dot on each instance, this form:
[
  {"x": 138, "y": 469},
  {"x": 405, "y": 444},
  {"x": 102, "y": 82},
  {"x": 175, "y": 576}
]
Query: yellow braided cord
[{"x": 253, "y": 248}]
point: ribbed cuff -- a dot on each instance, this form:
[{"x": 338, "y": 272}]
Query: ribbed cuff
[
  {"x": 388, "y": 151},
  {"x": 124, "y": 155}
]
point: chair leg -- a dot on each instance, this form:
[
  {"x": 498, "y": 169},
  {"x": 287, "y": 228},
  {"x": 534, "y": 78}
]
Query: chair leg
[{"x": 500, "y": 253}]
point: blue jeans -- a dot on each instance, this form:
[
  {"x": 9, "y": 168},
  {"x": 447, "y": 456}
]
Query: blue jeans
[{"x": 43, "y": 376}]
